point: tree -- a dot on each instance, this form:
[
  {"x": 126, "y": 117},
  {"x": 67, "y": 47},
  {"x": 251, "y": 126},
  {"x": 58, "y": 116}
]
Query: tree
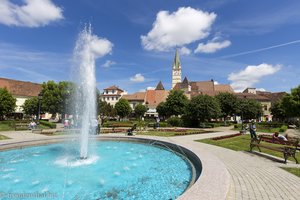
[
  {"x": 203, "y": 108},
  {"x": 249, "y": 109},
  {"x": 123, "y": 108},
  {"x": 140, "y": 110},
  {"x": 176, "y": 103},
  {"x": 162, "y": 109},
  {"x": 7, "y": 103},
  {"x": 105, "y": 110},
  {"x": 278, "y": 111},
  {"x": 228, "y": 103},
  {"x": 67, "y": 93},
  {"x": 291, "y": 103},
  {"x": 52, "y": 100},
  {"x": 30, "y": 106}
]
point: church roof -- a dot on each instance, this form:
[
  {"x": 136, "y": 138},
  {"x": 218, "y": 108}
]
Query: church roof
[
  {"x": 176, "y": 63},
  {"x": 160, "y": 86}
]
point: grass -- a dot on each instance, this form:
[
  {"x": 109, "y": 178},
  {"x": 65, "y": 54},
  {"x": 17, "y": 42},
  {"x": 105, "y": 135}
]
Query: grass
[
  {"x": 2, "y": 137},
  {"x": 242, "y": 143},
  {"x": 158, "y": 133},
  {"x": 295, "y": 171},
  {"x": 170, "y": 133},
  {"x": 6, "y": 127}
]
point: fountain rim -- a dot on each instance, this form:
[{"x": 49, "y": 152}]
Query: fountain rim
[{"x": 204, "y": 186}]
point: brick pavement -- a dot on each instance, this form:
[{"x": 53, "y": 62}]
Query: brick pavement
[{"x": 251, "y": 176}]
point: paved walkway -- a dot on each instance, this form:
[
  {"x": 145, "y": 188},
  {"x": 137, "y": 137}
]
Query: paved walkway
[{"x": 251, "y": 176}]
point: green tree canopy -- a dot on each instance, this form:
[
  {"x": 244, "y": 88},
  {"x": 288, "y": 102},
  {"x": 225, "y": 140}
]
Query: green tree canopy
[
  {"x": 7, "y": 103},
  {"x": 176, "y": 103},
  {"x": 203, "y": 108},
  {"x": 278, "y": 111},
  {"x": 291, "y": 103},
  {"x": 249, "y": 109},
  {"x": 67, "y": 93},
  {"x": 52, "y": 100},
  {"x": 30, "y": 106},
  {"x": 57, "y": 97},
  {"x": 228, "y": 103},
  {"x": 162, "y": 109},
  {"x": 105, "y": 109},
  {"x": 123, "y": 108},
  {"x": 140, "y": 110}
]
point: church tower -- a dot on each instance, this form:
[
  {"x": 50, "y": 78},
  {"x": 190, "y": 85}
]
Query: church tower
[{"x": 176, "y": 70}]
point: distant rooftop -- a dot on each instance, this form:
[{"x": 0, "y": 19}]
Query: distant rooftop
[{"x": 21, "y": 88}]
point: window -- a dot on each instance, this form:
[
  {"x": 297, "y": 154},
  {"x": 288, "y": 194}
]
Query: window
[
  {"x": 113, "y": 91},
  {"x": 265, "y": 107}
]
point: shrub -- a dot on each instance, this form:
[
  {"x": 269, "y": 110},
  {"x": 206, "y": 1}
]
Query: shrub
[
  {"x": 117, "y": 124},
  {"x": 283, "y": 128},
  {"x": 163, "y": 124},
  {"x": 174, "y": 121},
  {"x": 48, "y": 124}
]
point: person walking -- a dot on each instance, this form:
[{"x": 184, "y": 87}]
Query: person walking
[{"x": 253, "y": 130}]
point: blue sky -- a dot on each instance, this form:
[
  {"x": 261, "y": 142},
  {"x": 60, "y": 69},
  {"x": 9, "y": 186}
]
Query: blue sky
[{"x": 238, "y": 42}]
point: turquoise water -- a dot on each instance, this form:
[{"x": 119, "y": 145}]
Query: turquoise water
[{"x": 114, "y": 170}]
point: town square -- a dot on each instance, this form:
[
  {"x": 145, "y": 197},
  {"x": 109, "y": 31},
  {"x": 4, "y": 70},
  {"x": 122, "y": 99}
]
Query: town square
[{"x": 149, "y": 100}]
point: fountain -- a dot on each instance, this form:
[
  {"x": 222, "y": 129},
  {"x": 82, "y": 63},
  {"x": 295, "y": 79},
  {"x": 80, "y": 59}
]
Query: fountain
[
  {"x": 116, "y": 168},
  {"x": 85, "y": 99}
]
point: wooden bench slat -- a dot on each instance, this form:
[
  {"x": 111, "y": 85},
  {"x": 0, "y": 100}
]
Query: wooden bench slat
[{"x": 288, "y": 148}]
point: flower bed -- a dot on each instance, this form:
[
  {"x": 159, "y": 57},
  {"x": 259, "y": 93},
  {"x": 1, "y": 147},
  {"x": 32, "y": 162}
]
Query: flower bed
[{"x": 226, "y": 136}]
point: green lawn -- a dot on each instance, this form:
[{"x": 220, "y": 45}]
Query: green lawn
[
  {"x": 170, "y": 133},
  {"x": 295, "y": 171},
  {"x": 2, "y": 137},
  {"x": 242, "y": 143},
  {"x": 158, "y": 133},
  {"x": 7, "y": 126}
]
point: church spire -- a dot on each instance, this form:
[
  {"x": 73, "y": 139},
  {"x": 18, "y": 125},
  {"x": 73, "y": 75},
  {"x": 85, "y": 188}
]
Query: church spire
[
  {"x": 160, "y": 86},
  {"x": 176, "y": 70},
  {"x": 176, "y": 63}
]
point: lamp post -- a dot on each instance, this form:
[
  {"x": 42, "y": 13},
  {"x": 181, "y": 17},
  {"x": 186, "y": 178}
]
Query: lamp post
[{"x": 40, "y": 97}]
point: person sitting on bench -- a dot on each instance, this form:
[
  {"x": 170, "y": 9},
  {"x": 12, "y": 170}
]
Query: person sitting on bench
[
  {"x": 130, "y": 131},
  {"x": 279, "y": 137}
]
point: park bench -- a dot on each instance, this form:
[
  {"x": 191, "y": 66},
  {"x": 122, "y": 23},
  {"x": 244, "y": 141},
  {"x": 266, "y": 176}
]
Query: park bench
[
  {"x": 130, "y": 131},
  {"x": 288, "y": 148},
  {"x": 21, "y": 125},
  {"x": 37, "y": 131}
]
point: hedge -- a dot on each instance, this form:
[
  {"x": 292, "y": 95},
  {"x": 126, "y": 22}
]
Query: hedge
[{"x": 48, "y": 124}]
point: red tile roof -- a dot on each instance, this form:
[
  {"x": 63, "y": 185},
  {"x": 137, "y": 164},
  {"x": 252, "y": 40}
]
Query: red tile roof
[
  {"x": 138, "y": 96},
  {"x": 252, "y": 96},
  {"x": 114, "y": 88},
  {"x": 21, "y": 88},
  {"x": 154, "y": 97}
]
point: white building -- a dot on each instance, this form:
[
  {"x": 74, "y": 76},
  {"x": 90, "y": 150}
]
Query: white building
[
  {"x": 112, "y": 94},
  {"x": 21, "y": 90}
]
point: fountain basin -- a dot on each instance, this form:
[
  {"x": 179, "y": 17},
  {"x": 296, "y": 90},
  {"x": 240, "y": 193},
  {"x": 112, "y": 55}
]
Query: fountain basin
[{"x": 146, "y": 170}]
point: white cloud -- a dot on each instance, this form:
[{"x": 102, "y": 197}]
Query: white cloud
[
  {"x": 92, "y": 45},
  {"x": 212, "y": 46},
  {"x": 251, "y": 75},
  {"x": 260, "y": 89},
  {"x": 33, "y": 13},
  {"x": 108, "y": 63},
  {"x": 179, "y": 28},
  {"x": 184, "y": 51},
  {"x": 100, "y": 46},
  {"x": 216, "y": 83},
  {"x": 138, "y": 78},
  {"x": 150, "y": 88}
]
